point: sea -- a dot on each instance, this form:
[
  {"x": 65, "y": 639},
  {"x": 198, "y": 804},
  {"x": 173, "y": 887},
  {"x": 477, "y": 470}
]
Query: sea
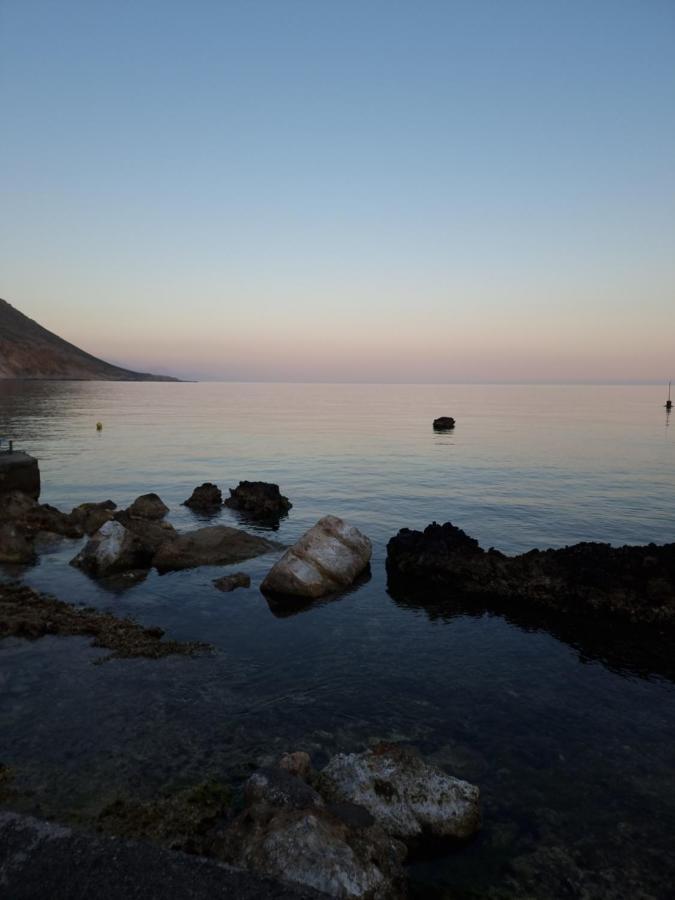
[{"x": 567, "y": 725}]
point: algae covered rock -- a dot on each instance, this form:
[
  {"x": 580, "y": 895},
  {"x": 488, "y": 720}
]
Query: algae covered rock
[
  {"x": 406, "y": 796},
  {"x": 327, "y": 558},
  {"x": 228, "y": 583}
]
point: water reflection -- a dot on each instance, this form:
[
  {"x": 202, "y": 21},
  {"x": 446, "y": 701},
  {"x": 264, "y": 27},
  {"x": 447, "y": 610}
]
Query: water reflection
[{"x": 285, "y": 606}]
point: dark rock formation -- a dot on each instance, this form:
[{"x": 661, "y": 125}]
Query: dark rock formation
[
  {"x": 216, "y": 545},
  {"x": 19, "y": 472},
  {"x": 151, "y": 533},
  {"x": 15, "y": 547},
  {"x": 114, "y": 549},
  {"x": 444, "y": 423},
  {"x": 147, "y": 506},
  {"x": 91, "y": 516},
  {"x": 259, "y": 499},
  {"x": 229, "y": 583},
  {"x": 31, "y": 517},
  {"x": 632, "y": 583},
  {"x": 29, "y": 351},
  {"x": 205, "y": 498}
]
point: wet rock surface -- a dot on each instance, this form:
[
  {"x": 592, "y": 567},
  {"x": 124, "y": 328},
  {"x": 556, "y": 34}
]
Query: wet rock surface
[
  {"x": 206, "y": 498},
  {"x": 28, "y": 614},
  {"x": 406, "y": 796},
  {"x": 31, "y": 517},
  {"x": 215, "y": 545},
  {"x": 259, "y": 499},
  {"x": 228, "y": 583},
  {"x": 113, "y": 549},
  {"x": 147, "y": 506},
  {"x": 15, "y": 547},
  {"x": 91, "y": 516},
  {"x": 327, "y": 558},
  {"x": 633, "y": 583},
  {"x": 444, "y": 423}
]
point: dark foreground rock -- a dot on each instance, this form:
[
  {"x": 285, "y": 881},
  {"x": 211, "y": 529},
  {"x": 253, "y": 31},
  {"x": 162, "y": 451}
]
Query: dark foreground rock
[
  {"x": 28, "y": 614},
  {"x": 205, "y": 498},
  {"x": 113, "y": 549},
  {"x": 40, "y": 859},
  {"x": 91, "y": 516},
  {"x": 213, "y": 546},
  {"x": 633, "y": 583},
  {"x": 147, "y": 506},
  {"x": 31, "y": 517},
  {"x": 19, "y": 472},
  {"x": 15, "y": 547},
  {"x": 444, "y": 423},
  {"x": 259, "y": 499}
]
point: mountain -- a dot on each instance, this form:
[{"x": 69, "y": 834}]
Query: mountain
[{"x": 29, "y": 351}]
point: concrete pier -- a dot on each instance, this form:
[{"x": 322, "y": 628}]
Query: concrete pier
[{"x": 19, "y": 472}]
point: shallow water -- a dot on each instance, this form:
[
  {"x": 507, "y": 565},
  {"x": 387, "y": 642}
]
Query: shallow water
[{"x": 569, "y": 729}]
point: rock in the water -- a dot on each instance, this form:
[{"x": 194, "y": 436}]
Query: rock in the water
[
  {"x": 633, "y": 583},
  {"x": 229, "y": 583},
  {"x": 213, "y": 546},
  {"x": 31, "y": 517},
  {"x": 15, "y": 547},
  {"x": 406, "y": 796},
  {"x": 444, "y": 423},
  {"x": 297, "y": 763},
  {"x": 152, "y": 533},
  {"x": 259, "y": 499},
  {"x": 327, "y": 558},
  {"x": 113, "y": 549},
  {"x": 148, "y": 506},
  {"x": 91, "y": 516},
  {"x": 19, "y": 472},
  {"x": 279, "y": 788},
  {"x": 205, "y": 498}
]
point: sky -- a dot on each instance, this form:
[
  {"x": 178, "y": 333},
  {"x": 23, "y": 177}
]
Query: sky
[{"x": 344, "y": 190}]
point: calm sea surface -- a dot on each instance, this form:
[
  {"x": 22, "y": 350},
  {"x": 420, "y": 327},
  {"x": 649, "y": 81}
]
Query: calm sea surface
[{"x": 568, "y": 729}]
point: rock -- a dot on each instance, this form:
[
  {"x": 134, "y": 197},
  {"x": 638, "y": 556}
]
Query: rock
[
  {"x": 298, "y": 763},
  {"x": 213, "y": 546},
  {"x": 31, "y": 517},
  {"x": 259, "y": 499},
  {"x": 406, "y": 796},
  {"x": 91, "y": 516},
  {"x": 444, "y": 423},
  {"x": 229, "y": 583},
  {"x": 152, "y": 534},
  {"x": 147, "y": 506},
  {"x": 19, "y": 472},
  {"x": 276, "y": 787},
  {"x": 15, "y": 547},
  {"x": 111, "y": 550},
  {"x": 327, "y": 558},
  {"x": 635, "y": 583},
  {"x": 205, "y": 498}
]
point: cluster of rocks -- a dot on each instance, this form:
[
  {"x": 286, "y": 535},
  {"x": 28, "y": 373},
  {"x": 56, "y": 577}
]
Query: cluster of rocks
[
  {"x": 346, "y": 830},
  {"x": 257, "y": 499},
  {"x": 634, "y": 583}
]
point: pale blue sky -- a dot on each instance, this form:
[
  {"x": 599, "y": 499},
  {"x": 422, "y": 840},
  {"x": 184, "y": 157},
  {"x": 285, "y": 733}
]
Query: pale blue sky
[{"x": 298, "y": 189}]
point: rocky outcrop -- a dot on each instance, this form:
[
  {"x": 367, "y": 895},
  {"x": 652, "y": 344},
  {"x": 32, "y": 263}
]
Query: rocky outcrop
[
  {"x": 31, "y": 517},
  {"x": 327, "y": 558},
  {"x": 444, "y": 423},
  {"x": 213, "y": 546},
  {"x": 113, "y": 549},
  {"x": 633, "y": 583},
  {"x": 19, "y": 472},
  {"x": 405, "y": 796},
  {"x": 15, "y": 547},
  {"x": 205, "y": 498},
  {"x": 91, "y": 516},
  {"x": 147, "y": 506},
  {"x": 229, "y": 583},
  {"x": 259, "y": 499}
]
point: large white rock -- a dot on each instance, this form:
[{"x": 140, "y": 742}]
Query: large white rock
[
  {"x": 327, "y": 558},
  {"x": 405, "y": 795},
  {"x": 111, "y": 550}
]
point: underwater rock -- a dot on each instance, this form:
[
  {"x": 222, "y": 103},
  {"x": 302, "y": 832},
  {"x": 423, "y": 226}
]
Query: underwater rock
[
  {"x": 205, "y": 498},
  {"x": 15, "y": 547},
  {"x": 636, "y": 583},
  {"x": 112, "y": 549},
  {"x": 278, "y": 787},
  {"x": 444, "y": 423},
  {"x": 297, "y": 763},
  {"x": 229, "y": 583},
  {"x": 406, "y": 796},
  {"x": 327, "y": 558},
  {"x": 147, "y": 506},
  {"x": 260, "y": 499},
  {"x": 212, "y": 546},
  {"x": 91, "y": 516}
]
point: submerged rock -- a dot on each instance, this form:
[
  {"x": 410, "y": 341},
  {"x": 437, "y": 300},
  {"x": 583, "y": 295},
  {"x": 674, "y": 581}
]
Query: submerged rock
[
  {"x": 260, "y": 499},
  {"x": 444, "y": 423},
  {"x": 635, "y": 583},
  {"x": 147, "y": 506},
  {"x": 406, "y": 796},
  {"x": 91, "y": 516},
  {"x": 216, "y": 545},
  {"x": 327, "y": 558},
  {"x": 205, "y": 498},
  {"x": 229, "y": 583},
  {"x": 297, "y": 763},
  {"x": 111, "y": 550}
]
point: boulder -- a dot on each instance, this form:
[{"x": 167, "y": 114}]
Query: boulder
[
  {"x": 113, "y": 549},
  {"x": 91, "y": 516},
  {"x": 15, "y": 547},
  {"x": 229, "y": 583},
  {"x": 407, "y": 797},
  {"x": 152, "y": 533},
  {"x": 213, "y": 546},
  {"x": 31, "y": 517},
  {"x": 147, "y": 506},
  {"x": 297, "y": 763},
  {"x": 205, "y": 498},
  {"x": 19, "y": 472},
  {"x": 327, "y": 558},
  {"x": 444, "y": 423},
  {"x": 634, "y": 583},
  {"x": 280, "y": 788},
  {"x": 259, "y": 499}
]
